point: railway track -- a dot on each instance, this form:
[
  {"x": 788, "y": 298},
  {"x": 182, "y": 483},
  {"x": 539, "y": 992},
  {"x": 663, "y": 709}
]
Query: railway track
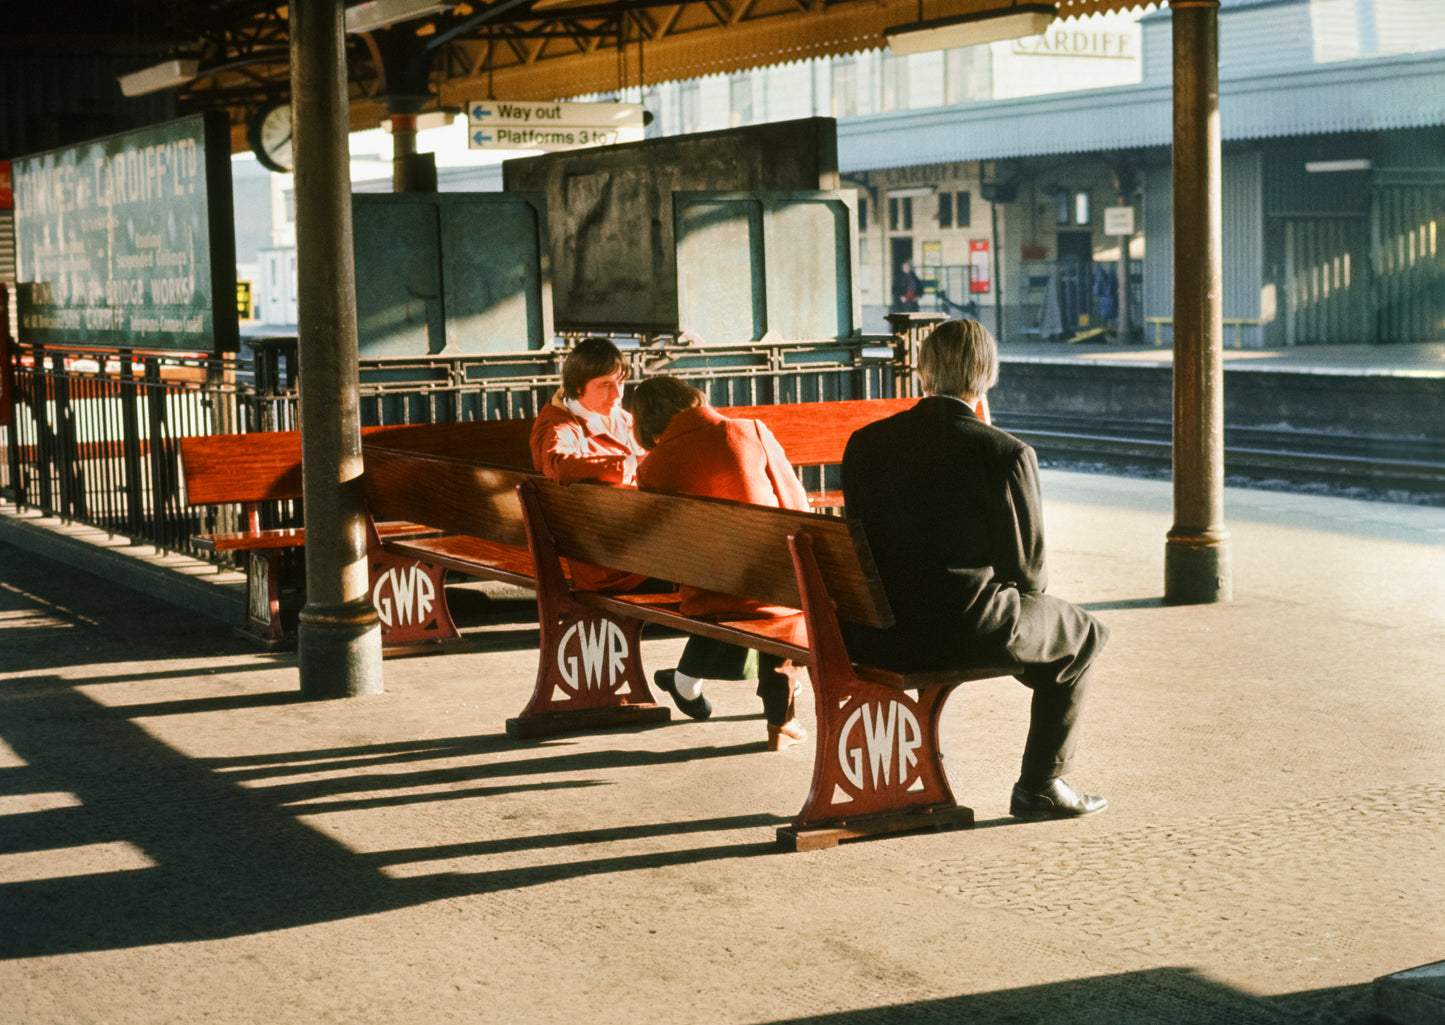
[{"x": 1256, "y": 455}]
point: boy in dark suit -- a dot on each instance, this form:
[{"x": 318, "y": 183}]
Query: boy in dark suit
[{"x": 953, "y": 513}]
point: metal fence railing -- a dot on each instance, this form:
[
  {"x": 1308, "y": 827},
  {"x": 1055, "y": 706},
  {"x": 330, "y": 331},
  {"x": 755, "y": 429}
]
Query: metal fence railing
[{"x": 95, "y": 434}]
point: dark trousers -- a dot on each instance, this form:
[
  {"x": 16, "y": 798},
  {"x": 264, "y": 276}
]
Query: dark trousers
[
  {"x": 708, "y": 659},
  {"x": 1058, "y": 642}
]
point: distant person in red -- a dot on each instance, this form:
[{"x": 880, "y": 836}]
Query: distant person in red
[
  {"x": 906, "y": 289},
  {"x": 693, "y": 449},
  {"x": 585, "y": 434}
]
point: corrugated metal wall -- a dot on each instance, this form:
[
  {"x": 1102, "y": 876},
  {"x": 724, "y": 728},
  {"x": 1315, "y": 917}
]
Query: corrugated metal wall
[
  {"x": 1409, "y": 263},
  {"x": 1243, "y": 249}
]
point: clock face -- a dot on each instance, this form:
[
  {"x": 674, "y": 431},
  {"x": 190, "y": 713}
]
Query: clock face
[{"x": 271, "y": 137}]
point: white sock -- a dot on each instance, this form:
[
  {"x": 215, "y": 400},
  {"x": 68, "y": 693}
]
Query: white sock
[{"x": 688, "y": 687}]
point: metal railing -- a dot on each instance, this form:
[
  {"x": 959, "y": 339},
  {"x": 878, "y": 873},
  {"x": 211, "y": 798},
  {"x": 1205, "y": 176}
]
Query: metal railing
[{"x": 95, "y": 435}]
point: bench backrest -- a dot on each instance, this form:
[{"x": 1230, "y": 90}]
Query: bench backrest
[
  {"x": 457, "y": 496},
  {"x": 718, "y": 545},
  {"x": 266, "y": 465},
  {"x": 815, "y": 433}
]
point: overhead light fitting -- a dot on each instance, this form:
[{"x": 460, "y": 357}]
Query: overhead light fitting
[
  {"x": 1326, "y": 166},
  {"x": 1014, "y": 22},
  {"x": 160, "y": 76},
  {"x": 375, "y": 14}
]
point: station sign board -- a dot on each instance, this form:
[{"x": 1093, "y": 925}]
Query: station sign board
[
  {"x": 551, "y": 127},
  {"x": 128, "y": 240},
  {"x": 1118, "y": 220}
]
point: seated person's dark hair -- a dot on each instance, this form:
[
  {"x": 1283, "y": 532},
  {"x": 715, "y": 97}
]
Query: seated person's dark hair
[
  {"x": 655, "y": 402},
  {"x": 590, "y": 359}
]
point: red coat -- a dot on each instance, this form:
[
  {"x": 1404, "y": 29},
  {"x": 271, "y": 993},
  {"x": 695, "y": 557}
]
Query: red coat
[
  {"x": 704, "y": 453},
  {"x": 567, "y": 449}
]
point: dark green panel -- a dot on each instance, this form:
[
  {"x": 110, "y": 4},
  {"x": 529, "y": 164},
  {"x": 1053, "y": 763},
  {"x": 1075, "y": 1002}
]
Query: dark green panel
[
  {"x": 399, "y": 302},
  {"x": 721, "y": 297},
  {"x": 497, "y": 294},
  {"x": 451, "y": 274},
  {"x": 766, "y": 264}
]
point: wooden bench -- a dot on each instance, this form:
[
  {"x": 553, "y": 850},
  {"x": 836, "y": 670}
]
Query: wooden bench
[
  {"x": 250, "y": 469},
  {"x": 877, "y": 765}
]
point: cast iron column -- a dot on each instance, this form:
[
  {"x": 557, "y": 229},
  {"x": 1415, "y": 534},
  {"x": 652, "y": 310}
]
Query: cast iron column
[
  {"x": 1196, "y": 554},
  {"x": 340, "y": 634}
]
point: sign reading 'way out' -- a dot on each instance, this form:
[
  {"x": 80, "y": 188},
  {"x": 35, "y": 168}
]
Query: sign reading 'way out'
[{"x": 501, "y": 124}]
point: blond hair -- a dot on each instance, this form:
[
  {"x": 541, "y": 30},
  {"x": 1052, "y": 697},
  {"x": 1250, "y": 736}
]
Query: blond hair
[{"x": 958, "y": 358}]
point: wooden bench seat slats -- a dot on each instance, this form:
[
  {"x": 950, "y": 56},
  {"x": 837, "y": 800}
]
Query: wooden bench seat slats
[
  {"x": 784, "y": 637},
  {"x": 473, "y": 555},
  {"x": 293, "y": 537},
  {"x": 641, "y": 532}
]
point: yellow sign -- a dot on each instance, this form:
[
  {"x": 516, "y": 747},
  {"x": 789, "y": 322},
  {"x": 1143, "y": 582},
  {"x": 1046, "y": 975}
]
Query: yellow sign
[{"x": 244, "y": 307}]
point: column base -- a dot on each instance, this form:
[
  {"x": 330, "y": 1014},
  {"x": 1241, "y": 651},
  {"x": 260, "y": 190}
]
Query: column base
[
  {"x": 1197, "y": 571},
  {"x": 340, "y": 650}
]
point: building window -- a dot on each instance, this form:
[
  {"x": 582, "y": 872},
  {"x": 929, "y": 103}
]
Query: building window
[
  {"x": 844, "y": 101},
  {"x": 1081, "y": 207},
  {"x": 945, "y": 209},
  {"x": 963, "y": 210},
  {"x": 862, "y": 213},
  {"x": 967, "y": 74},
  {"x": 900, "y": 213},
  {"x": 689, "y": 108},
  {"x": 740, "y": 94},
  {"x": 894, "y": 75}
]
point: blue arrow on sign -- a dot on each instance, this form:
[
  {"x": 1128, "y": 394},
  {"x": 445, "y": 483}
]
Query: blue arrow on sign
[
  {"x": 480, "y": 112},
  {"x": 481, "y": 137}
]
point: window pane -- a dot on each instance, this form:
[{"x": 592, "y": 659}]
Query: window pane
[{"x": 945, "y": 209}]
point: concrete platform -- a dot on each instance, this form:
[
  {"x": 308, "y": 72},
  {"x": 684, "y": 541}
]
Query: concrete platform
[{"x": 183, "y": 840}]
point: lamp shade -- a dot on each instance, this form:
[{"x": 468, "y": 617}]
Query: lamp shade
[{"x": 1014, "y": 22}]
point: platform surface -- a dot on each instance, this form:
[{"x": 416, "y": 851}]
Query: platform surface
[
  {"x": 1425, "y": 359},
  {"x": 183, "y": 840}
]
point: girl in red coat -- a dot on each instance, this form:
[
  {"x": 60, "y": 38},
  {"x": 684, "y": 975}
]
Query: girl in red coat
[{"x": 694, "y": 450}]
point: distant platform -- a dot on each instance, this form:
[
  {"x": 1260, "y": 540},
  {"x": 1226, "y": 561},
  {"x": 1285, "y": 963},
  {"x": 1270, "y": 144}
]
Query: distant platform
[{"x": 1426, "y": 359}]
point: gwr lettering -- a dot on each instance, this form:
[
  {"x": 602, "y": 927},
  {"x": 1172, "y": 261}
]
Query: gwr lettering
[
  {"x": 886, "y": 730},
  {"x": 602, "y": 646},
  {"x": 413, "y": 593}
]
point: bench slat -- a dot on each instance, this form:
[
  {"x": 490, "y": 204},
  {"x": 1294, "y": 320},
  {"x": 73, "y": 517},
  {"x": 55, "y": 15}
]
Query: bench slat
[
  {"x": 291, "y": 537},
  {"x": 783, "y": 636},
  {"x": 469, "y": 555},
  {"x": 815, "y": 433}
]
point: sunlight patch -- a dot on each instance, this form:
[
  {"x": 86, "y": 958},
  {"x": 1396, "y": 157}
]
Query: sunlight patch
[
  {"x": 24, "y": 804},
  {"x": 65, "y": 862}
]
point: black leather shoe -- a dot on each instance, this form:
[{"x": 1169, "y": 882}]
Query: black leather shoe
[
  {"x": 1056, "y": 800},
  {"x": 695, "y": 708}
]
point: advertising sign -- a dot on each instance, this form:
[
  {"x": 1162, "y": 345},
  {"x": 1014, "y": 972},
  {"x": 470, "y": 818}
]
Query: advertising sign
[
  {"x": 7, "y": 373},
  {"x": 978, "y": 265},
  {"x": 128, "y": 240}
]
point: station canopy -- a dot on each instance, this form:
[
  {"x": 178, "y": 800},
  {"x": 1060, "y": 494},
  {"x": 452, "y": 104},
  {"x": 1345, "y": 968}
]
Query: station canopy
[{"x": 451, "y": 53}]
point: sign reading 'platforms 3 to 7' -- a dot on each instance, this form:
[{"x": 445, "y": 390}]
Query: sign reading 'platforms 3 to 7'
[
  {"x": 128, "y": 240},
  {"x": 551, "y": 127}
]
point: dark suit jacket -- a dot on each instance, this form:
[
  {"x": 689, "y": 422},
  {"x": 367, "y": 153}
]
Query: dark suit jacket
[{"x": 952, "y": 510}]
